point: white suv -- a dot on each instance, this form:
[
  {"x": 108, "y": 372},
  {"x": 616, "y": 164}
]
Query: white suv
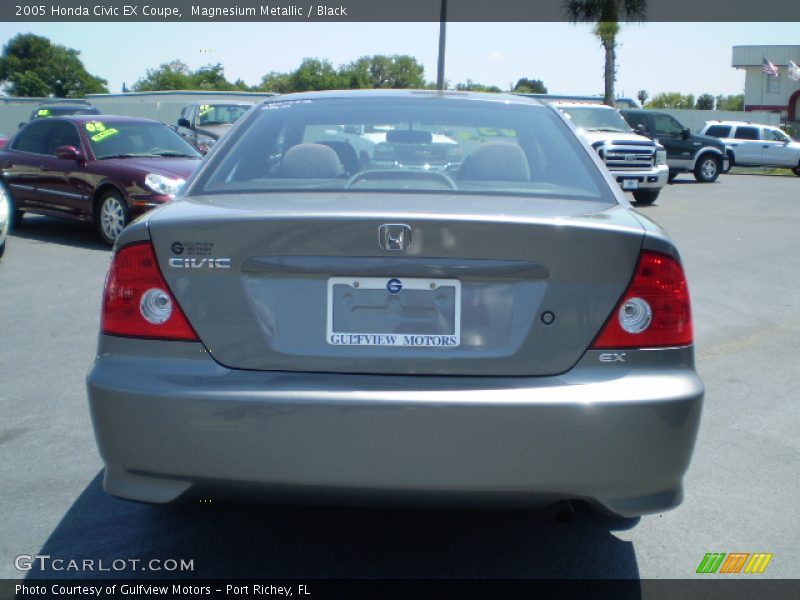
[{"x": 753, "y": 144}]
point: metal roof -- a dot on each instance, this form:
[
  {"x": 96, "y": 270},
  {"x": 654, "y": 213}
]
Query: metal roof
[{"x": 753, "y": 56}]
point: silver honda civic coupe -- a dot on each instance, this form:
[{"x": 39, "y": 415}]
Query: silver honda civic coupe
[{"x": 401, "y": 297}]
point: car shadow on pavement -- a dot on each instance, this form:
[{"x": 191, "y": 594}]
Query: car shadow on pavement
[
  {"x": 60, "y": 231},
  {"x": 233, "y": 540}
]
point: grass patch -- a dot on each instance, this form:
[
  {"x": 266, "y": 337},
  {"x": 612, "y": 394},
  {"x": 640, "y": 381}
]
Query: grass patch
[{"x": 780, "y": 171}]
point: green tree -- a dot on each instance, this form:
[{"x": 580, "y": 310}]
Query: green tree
[
  {"x": 314, "y": 74},
  {"x": 275, "y": 82},
  {"x": 731, "y": 102},
  {"x": 642, "y": 96},
  {"x": 530, "y": 86},
  {"x": 377, "y": 71},
  {"x": 381, "y": 71},
  {"x": 32, "y": 66},
  {"x": 606, "y": 14},
  {"x": 471, "y": 86},
  {"x": 705, "y": 102},
  {"x": 174, "y": 75},
  {"x": 672, "y": 100}
]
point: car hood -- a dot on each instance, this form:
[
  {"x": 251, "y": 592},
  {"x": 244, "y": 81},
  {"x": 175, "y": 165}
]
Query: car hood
[
  {"x": 175, "y": 167},
  {"x": 608, "y": 136}
]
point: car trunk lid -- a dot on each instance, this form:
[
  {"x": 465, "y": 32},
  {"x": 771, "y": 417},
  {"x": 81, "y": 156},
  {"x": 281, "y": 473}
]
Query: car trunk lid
[{"x": 486, "y": 286}]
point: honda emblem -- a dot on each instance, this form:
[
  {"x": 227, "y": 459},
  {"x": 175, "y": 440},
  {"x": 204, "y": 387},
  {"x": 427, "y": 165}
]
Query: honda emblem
[{"x": 394, "y": 236}]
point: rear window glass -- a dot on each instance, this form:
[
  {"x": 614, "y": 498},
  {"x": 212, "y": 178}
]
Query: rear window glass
[
  {"x": 220, "y": 114},
  {"x": 405, "y": 145},
  {"x": 34, "y": 138},
  {"x": 720, "y": 131},
  {"x": 746, "y": 133}
]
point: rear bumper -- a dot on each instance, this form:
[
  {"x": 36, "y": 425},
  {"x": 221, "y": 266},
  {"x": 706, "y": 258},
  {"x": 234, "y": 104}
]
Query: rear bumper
[
  {"x": 654, "y": 179},
  {"x": 619, "y": 436}
]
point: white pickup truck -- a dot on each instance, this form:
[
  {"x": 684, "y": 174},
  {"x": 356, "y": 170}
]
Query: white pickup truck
[{"x": 639, "y": 164}]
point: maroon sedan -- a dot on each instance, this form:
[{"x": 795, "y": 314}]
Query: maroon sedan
[{"x": 98, "y": 168}]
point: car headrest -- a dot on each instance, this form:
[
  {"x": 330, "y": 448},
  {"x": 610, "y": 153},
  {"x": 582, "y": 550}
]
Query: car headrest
[
  {"x": 496, "y": 161},
  {"x": 346, "y": 153},
  {"x": 310, "y": 161}
]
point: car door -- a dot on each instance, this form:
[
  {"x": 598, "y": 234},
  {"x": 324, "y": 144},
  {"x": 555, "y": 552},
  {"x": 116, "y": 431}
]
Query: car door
[
  {"x": 747, "y": 145},
  {"x": 669, "y": 132},
  {"x": 22, "y": 166},
  {"x": 63, "y": 186},
  {"x": 775, "y": 149}
]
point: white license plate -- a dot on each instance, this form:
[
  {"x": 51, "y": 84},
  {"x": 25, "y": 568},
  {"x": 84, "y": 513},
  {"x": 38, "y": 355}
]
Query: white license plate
[
  {"x": 630, "y": 184},
  {"x": 393, "y": 311}
]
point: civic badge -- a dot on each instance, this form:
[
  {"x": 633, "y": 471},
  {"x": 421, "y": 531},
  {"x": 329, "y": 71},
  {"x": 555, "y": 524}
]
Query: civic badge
[{"x": 394, "y": 236}]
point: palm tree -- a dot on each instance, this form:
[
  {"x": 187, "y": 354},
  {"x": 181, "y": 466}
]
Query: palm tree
[{"x": 606, "y": 14}]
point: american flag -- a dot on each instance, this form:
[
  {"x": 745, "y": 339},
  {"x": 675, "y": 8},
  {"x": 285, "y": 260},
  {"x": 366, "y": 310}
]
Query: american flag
[{"x": 769, "y": 68}]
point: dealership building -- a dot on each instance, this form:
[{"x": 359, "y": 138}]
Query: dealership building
[{"x": 766, "y": 92}]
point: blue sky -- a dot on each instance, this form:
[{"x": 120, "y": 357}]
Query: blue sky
[{"x": 659, "y": 57}]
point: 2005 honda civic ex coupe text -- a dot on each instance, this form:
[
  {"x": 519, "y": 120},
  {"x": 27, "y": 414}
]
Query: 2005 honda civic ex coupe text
[{"x": 401, "y": 297}]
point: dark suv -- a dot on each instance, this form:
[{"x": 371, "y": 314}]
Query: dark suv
[
  {"x": 700, "y": 154},
  {"x": 63, "y": 109}
]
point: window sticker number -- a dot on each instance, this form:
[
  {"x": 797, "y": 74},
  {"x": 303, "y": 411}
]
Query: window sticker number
[{"x": 100, "y": 131}]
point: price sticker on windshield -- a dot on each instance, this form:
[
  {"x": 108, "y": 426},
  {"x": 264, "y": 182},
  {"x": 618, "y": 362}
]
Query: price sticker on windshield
[{"x": 100, "y": 131}]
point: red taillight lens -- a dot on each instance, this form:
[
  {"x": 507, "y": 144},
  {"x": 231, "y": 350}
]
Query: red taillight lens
[
  {"x": 654, "y": 311},
  {"x": 137, "y": 302}
]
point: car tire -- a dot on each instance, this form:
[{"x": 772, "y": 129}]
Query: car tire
[
  {"x": 671, "y": 177},
  {"x": 645, "y": 197},
  {"x": 796, "y": 170},
  {"x": 707, "y": 168},
  {"x": 2, "y": 248},
  {"x": 111, "y": 216}
]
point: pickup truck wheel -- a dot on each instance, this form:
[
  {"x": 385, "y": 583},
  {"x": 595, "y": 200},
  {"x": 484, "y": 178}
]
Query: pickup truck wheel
[
  {"x": 707, "y": 168},
  {"x": 645, "y": 197},
  {"x": 796, "y": 170},
  {"x": 671, "y": 177}
]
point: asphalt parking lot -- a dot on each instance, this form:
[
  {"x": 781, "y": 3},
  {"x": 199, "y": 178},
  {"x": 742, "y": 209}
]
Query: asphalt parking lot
[{"x": 740, "y": 243}]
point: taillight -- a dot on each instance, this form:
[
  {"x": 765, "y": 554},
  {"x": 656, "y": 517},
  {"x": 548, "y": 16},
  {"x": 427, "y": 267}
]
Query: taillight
[
  {"x": 137, "y": 302},
  {"x": 654, "y": 311}
]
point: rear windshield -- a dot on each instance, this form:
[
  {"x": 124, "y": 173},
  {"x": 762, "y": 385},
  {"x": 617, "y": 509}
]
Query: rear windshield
[
  {"x": 404, "y": 145},
  {"x": 220, "y": 114}
]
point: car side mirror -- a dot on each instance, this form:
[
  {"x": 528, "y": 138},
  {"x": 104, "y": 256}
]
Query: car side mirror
[
  {"x": 183, "y": 122},
  {"x": 686, "y": 134},
  {"x": 641, "y": 130},
  {"x": 69, "y": 153}
]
